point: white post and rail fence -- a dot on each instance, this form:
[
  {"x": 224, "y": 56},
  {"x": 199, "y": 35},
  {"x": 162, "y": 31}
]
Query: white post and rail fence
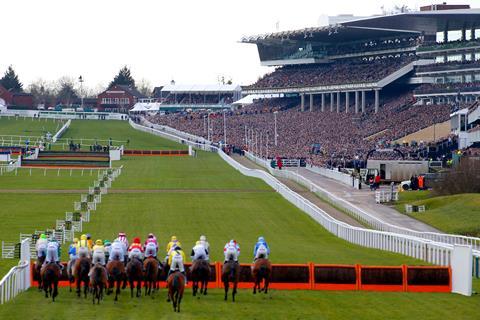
[{"x": 17, "y": 279}]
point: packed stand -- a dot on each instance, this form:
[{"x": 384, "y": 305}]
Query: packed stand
[
  {"x": 340, "y": 136},
  {"x": 337, "y": 73}
]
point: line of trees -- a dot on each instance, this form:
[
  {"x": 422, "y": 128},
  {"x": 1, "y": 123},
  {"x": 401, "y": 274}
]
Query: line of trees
[{"x": 66, "y": 90}]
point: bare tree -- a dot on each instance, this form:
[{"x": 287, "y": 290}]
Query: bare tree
[
  {"x": 145, "y": 87},
  {"x": 43, "y": 92}
]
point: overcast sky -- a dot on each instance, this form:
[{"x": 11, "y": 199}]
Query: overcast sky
[{"x": 190, "y": 41}]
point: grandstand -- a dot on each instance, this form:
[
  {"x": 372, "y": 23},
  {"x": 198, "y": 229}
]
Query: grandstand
[{"x": 367, "y": 83}]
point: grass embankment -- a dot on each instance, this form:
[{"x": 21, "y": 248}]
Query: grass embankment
[
  {"x": 28, "y": 127},
  {"x": 459, "y": 214},
  {"x": 117, "y": 130}
]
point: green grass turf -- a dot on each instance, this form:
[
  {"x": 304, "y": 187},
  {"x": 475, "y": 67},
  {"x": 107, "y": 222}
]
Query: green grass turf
[
  {"x": 117, "y": 130},
  {"x": 206, "y": 171},
  {"x": 43, "y": 179},
  {"x": 28, "y": 127},
  {"x": 25, "y": 213},
  {"x": 274, "y": 305},
  {"x": 459, "y": 214}
]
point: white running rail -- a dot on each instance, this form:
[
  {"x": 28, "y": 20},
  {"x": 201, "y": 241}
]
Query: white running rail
[
  {"x": 363, "y": 216},
  {"x": 61, "y": 131},
  {"x": 17, "y": 279},
  {"x": 423, "y": 249}
]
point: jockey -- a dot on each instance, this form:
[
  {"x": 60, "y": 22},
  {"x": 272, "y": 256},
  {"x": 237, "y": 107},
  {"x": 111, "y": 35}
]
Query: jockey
[
  {"x": 204, "y": 242},
  {"x": 199, "y": 252},
  {"x": 122, "y": 237},
  {"x": 151, "y": 246},
  {"x": 175, "y": 261},
  {"x": 53, "y": 253},
  {"x": 261, "y": 249},
  {"x": 135, "y": 250},
  {"x": 82, "y": 247},
  {"x": 172, "y": 244},
  {"x": 72, "y": 250},
  {"x": 41, "y": 246},
  {"x": 89, "y": 241},
  {"x": 108, "y": 248},
  {"x": 231, "y": 251},
  {"x": 117, "y": 251},
  {"x": 98, "y": 253}
]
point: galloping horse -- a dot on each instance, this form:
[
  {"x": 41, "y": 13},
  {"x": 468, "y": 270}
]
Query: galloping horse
[
  {"x": 151, "y": 274},
  {"x": 38, "y": 268},
  {"x": 116, "y": 274},
  {"x": 200, "y": 272},
  {"x": 98, "y": 280},
  {"x": 230, "y": 273},
  {"x": 50, "y": 274},
  {"x": 262, "y": 270},
  {"x": 135, "y": 273},
  {"x": 176, "y": 286},
  {"x": 80, "y": 272}
]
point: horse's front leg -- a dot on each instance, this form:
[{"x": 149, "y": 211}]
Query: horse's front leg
[{"x": 226, "y": 290}]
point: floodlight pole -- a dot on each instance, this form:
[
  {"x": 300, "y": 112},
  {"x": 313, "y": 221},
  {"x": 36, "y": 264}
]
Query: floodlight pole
[
  {"x": 80, "y": 79},
  {"x": 275, "y": 125},
  {"x": 224, "y": 129}
]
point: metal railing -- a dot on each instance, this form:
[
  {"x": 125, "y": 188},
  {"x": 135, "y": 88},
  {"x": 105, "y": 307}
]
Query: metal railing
[{"x": 17, "y": 279}]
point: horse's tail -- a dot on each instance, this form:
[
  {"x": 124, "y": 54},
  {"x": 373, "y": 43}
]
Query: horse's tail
[
  {"x": 148, "y": 271},
  {"x": 175, "y": 282},
  {"x": 49, "y": 274}
]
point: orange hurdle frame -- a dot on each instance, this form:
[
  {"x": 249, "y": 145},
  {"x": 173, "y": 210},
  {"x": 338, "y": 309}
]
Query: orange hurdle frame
[{"x": 314, "y": 275}]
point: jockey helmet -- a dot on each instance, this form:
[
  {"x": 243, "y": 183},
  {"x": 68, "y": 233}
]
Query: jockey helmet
[
  {"x": 107, "y": 242},
  {"x": 83, "y": 237},
  {"x": 122, "y": 234},
  {"x": 261, "y": 239},
  {"x": 75, "y": 240},
  {"x": 203, "y": 238},
  {"x": 43, "y": 236},
  {"x": 89, "y": 236},
  {"x": 174, "y": 238},
  {"x": 198, "y": 243},
  {"x": 136, "y": 240},
  {"x": 151, "y": 235},
  {"x": 99, "y": 242}
]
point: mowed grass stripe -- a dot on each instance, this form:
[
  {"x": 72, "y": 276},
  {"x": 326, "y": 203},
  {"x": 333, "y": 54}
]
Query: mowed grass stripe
[
  {"x": 292, "y": 235},
  {"x": 27, "y": 127},
  {"x": 206, "y": 171}
]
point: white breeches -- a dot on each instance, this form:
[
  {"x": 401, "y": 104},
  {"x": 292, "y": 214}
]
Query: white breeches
[
  {"x": 177, "y": 263},
  {"x": 98, "y": 257},
  {"x": 135, "y": 253}
]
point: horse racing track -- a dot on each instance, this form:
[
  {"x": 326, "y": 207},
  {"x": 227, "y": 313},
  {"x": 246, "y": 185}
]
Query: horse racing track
[{"x": 186, "y": 197}]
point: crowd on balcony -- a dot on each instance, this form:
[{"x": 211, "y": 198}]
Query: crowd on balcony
[
  {"x": 340, "y": 136},
  {"x": 337, "y": 73}
]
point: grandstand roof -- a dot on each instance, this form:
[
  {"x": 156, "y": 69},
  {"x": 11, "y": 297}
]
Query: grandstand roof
[
  {"x": 429, "y": 22},
  {"x": 198, "y": 88}
]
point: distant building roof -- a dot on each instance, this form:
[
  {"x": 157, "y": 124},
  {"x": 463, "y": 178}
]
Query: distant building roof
[{"x": 199, "y": 88}]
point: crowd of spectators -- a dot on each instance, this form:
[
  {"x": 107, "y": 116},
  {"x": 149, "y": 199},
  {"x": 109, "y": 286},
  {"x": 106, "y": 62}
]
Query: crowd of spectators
[
  {"x": 339, "y": 72},
  {"x": 341, "y": 136}
]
